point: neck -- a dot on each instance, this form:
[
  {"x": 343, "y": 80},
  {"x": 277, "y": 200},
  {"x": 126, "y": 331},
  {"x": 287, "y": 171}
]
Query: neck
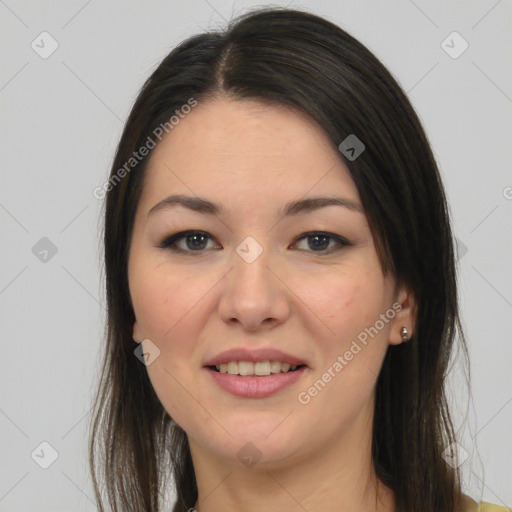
[{"x": 335, "y": 476}]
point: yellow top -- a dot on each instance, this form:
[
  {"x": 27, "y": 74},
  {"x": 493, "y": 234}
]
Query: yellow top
[
  {"x": 483, "y": 506},
  {"x": 489, "y": 507}
]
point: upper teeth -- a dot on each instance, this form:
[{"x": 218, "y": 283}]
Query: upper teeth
[{"x": 249, "y": 368}]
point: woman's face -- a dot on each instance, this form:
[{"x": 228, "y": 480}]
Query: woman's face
[{"x": 253, "y": 279}]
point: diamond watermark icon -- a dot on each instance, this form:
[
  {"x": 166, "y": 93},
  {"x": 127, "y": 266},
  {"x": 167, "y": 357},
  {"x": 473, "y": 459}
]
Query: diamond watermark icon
[
  {"x": 249, "y": 455},
  {"x": 147, "y": 352},
  {"x": 454, "y": 45},
  {"x": 454, "y": 455},
  {"x": 44, "y": 45},
  {"x": 44, "y": 250},
  {"x": 461, "y": 249},
  {"x": 44, "y": 455},
  {"x": 249, "y": 249},
  {"x": 351, "y": 147}
]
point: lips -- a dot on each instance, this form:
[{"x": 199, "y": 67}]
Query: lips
[
  {"x": 255, "y": 356},
  {"x": 254, "y": 386}
]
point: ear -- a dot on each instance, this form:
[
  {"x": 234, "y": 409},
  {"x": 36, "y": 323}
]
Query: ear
[
  {"x": 405, "y": 307},
  {"x": 138, "y": 334}
]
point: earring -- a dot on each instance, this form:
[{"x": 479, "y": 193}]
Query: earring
[{"x": 405, "y": 334}]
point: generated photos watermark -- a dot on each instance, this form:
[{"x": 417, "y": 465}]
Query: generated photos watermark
[
  {"x": 143, "y": 151},
  {"x": 304, "y": 397}
]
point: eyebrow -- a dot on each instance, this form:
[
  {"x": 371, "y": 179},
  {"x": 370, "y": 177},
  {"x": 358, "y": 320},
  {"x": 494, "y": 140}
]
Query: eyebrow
[{"x": 298, "y": 207}]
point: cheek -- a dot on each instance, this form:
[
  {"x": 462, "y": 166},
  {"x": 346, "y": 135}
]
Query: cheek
[
  {"x": 166, "y": 305},
  {"x": 346, "y": 302},
  {"x": 163, "y": 301}
]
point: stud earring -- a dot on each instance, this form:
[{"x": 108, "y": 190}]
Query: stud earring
[{"x": 405, "y": 334}]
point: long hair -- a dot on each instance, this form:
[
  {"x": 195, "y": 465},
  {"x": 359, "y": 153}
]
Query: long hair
[{"x": 287, "y": 57}]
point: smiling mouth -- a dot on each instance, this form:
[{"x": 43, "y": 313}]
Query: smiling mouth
[
  {"x": 255, "y": 380},
  {"x": 248, "y": 370}
]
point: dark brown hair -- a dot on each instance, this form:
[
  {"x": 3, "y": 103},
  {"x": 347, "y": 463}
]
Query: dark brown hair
[{"x": 288, "y": 57}]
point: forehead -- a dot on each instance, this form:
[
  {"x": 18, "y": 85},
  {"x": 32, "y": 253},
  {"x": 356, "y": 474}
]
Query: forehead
[
  {"x": 245, "y": 149},
  {"x": 226, "y": 125}
]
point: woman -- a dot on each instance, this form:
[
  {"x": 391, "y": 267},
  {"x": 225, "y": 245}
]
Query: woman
[{"x": 281, "y": 285}]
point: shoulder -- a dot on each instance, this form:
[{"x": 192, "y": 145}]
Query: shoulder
[
  {"x": 472, "y": 506},
  {"x": 489, "y": 507}
]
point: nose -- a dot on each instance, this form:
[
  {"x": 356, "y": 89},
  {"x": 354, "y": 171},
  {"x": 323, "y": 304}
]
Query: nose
[{"x": 254, "y": 294}]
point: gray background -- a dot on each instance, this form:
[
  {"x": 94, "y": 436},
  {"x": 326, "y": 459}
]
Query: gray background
[{"x": 61, "y": 118}]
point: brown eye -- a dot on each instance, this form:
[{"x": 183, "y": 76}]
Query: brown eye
[
  {"x": 186, "y": 242},
  {"x": 319, "y": 241}
]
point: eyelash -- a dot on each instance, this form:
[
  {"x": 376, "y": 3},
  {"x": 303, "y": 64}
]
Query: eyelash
[{"x": 170, "y": 242}]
